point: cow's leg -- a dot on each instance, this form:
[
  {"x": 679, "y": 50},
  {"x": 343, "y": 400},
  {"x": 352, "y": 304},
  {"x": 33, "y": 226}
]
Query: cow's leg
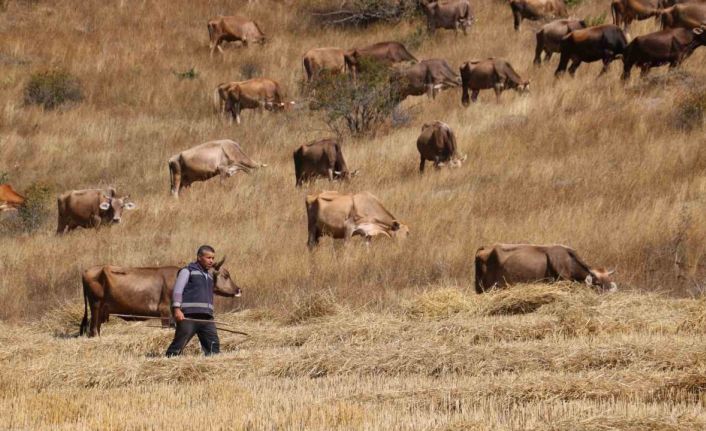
[
  {"x": 563, "y": 62},
  {"x": 61, "y": 226},
  {"x": 236, "y": 112},
  {"x": 94, "y": 327},
  {"x": 329, "y": 173},
  {"x": 474, "y": 95},
  {"x": 436, "y": 162},
  {"x": 517, "y": 17},
  {"x": 539, "y": 48},
  {"x": 606, "y": 63},
  {"x": 627, "y": 68},
  {"x": 422, "y": 162},
  {"x": 574, "y": 65},
  {"x": 645, "y": 69},
  {"x": 547, "y": 56},
  {"x": 498, "y": 88}
]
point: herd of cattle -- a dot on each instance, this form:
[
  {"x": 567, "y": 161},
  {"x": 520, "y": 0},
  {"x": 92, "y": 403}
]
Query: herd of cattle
[{"x": 147, "y": 291}]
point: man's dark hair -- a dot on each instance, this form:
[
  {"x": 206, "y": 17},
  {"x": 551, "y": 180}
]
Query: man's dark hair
[{"x": 203, "y": 249}]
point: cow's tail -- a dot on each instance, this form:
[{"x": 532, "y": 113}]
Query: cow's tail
[
  {"x": 341, "y": 164},
  {"x": 308, "y": 69},
  {"x": 83, "y": 328},
  {"x": 298, "y": 171},
  {"x": 452, "y": 140},
  {"x": 217, "y": 105},
  {"x": 615, "y": 12},
  {"x": 479, "y": 272}
]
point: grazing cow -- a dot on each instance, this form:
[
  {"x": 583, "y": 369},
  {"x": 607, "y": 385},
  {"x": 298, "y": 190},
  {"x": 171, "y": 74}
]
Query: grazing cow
[
  {"x": 550, "y": 35},
  {"x": 671, "y": 46},
  {"x": 322, "y": 158},
  {"x": 233, "y": 29},
  {"x": 205, "y": 161},
  {"x": 626, "y": 11},
  {"x": 90, "y": 208},
  {"x": 427, "y": 76},
  {"x": 320, "y": 60},
  {"x": 492, "y": 73},
  {"x": 256, "y": 93},
  {"x": 537, "y": 9},
  {"x": 437, "y": 143},
  {"x": 603, "y": 42},
  {"x": 500, "y": 265},
  {"x": 343, "y": 216},
  {"x": 138, "y": 291},
  {"x": 452, "y": 15},
  {"x": 387, "y": 53},
  {"x": 10, "y": 200},
  {"x": 690, "y": 15}
]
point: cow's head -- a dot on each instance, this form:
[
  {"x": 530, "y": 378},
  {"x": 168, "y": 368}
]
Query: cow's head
[
  {"x": 523, "y": 87},
  {"x": 601, "y": 278},
  {"x": 458, "y": 161},
  {"x": 700, "y": 34},
  {"x": 223, "y": 283},
  {"x": 429, "y": 7},
  {"x": 399, "y": 230},
  {"x": 111, "y": 207}
]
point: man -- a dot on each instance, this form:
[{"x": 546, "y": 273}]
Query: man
[{"x": 193, "y": 299}]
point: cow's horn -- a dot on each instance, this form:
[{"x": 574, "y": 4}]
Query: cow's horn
[
  {"x": 698, "y": 30},
  {"x": 611, "y": 272},
  {"x": 219, "y": 264}
]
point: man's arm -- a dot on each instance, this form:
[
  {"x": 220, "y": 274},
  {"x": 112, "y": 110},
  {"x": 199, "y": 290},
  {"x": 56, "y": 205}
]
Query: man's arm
[{"x": 179, "y": 285}]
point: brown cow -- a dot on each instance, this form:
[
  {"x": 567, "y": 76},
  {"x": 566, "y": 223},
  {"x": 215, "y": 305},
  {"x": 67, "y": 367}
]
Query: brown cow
[
  {"x": 690, "y": 15},
  {"x": 452, "y": 15},
  {"x": 10, "y": 200},
  {"x": 320, "y": 60},
  {"x": 427, "y": 76},
  {"x": 322, "y": 158},
  {"x": 256, "y": 93},
  {"x": 437, "y": 143},
  {"x": 90, "y": 208},
  {"x": 671, "y": 46},
  {"x": 343, "y": 216},
  {"x": 537, "y": 9},
  {"x": 492, "y": 73},
  {"x": 626, "y": 11},
  {"x": 233, "y": 29},
  {"x": 550, "y": 35},
  {"x": 205, "y": 161},
  {"x": 602, "y": 42},
  {"x": 138, "y": 291},
  {"x": 500, "y": 265},
  {"x": 664, "y": 4},
  {"x": 387, "y": 53}
]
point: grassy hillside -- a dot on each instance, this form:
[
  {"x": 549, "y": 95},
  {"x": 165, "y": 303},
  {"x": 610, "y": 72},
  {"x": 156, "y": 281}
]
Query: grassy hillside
[{"x": 385, "y": 337}]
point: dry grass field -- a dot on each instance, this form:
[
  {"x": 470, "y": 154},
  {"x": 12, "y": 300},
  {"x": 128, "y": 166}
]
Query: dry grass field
[{"x": 385, "y": 337}]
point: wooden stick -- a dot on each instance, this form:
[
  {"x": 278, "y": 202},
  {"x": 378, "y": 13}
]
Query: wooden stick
[
  {"x": 220, "y": 329},
  {"x": 134, "y": 316}
]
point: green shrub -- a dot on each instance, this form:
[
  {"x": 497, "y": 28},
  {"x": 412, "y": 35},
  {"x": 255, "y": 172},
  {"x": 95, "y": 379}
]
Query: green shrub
[
  {"x": 52, "y": 88},
  {"x": 592, "y": 21},
  {"x": 250, "y": 70},
  {"x": 36, "y": 207},
  {"x": 4, "y": 177},
  {"x": 362, "y": 105},
  {"x": 188, "y": 74}
]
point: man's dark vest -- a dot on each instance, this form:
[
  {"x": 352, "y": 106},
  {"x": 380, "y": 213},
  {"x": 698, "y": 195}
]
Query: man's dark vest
[{"x": 198, "y": 293}]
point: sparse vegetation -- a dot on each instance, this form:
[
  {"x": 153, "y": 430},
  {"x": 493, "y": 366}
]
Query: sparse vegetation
[
  {"x": 36, "y": 208},
  {"x": 690, "y": 110},
  {"x": 361, "y": 105},
  {"x": 363, "y": 12},
  {"x": 52, "y": 88},
  {"x": 188, "y": 74},
  {"x": 592, "y": 21}
]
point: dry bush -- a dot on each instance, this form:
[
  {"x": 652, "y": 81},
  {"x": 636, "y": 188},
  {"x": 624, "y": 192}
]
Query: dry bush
[
  {"x": 527, "y": 298},
  {"x": 52, "y": 89},
  {"x": 355, "y": 13},
  {"x": 689, "y": 114}
]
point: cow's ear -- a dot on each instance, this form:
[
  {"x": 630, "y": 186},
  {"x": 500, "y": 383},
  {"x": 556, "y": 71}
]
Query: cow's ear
[
  {"x": 218, "y": 265},
  {"x": 104, "y": 206},
  {"x": 130, "y": 206}
]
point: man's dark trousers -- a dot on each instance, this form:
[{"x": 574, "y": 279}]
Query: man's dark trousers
[{"x": 185, "y": 330}]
